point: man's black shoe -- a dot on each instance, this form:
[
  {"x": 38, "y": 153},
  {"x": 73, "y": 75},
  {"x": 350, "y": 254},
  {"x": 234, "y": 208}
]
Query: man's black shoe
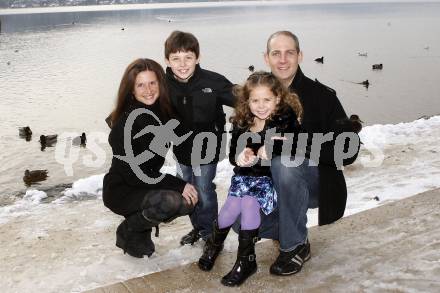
[
  {"x": 192, "y": 237},
  {"x": 291, "y": 262}
]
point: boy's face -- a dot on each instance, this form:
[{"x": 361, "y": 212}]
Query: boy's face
[{"x": 183, "y": 64}]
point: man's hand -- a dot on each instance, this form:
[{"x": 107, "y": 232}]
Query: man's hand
[{"x": 190, "y": 194}]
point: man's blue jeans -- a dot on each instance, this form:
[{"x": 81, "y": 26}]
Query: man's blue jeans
[
  {"x": 297, "y": 190},
  {"x": 206, "y": 210}
]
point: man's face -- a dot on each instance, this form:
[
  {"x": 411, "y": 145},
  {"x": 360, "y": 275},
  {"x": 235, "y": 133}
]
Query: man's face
[
  {"x": 183, "y": 64},
  {"x": 283, "y": 58}
]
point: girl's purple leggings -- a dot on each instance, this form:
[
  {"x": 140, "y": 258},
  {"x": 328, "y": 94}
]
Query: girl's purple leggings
[{"x": 247, "y": 206}]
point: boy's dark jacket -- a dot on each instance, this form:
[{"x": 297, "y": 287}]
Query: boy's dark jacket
[
  {"x": 198, "y": 104},
  {"x": 123, "y": 191},
  {"x": 322, "y": 113}
]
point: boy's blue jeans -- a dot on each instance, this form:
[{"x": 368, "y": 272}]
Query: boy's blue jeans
[
  {"x": 297, "y": 190},
  {"x": 206, "y": 210}
]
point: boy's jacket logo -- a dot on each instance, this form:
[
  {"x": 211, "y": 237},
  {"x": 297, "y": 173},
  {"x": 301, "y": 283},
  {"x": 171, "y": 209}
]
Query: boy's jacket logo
[{"x": 207, "y": 90}]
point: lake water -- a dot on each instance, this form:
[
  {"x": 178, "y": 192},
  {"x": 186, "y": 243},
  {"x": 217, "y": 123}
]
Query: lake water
[{"x": 59, "y": 72}]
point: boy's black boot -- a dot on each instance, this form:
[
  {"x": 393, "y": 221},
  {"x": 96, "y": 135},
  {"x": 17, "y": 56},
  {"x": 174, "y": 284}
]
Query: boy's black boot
[
  {"x": 213, "y": 246},
  {"x": 192, "y": 237},
  {"x": 245, "y": 265},
  {"x": 133, "y": 236}
]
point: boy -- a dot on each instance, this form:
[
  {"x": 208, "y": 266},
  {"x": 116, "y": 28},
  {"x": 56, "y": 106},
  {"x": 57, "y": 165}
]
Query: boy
[{"x": 197, "y": 96}]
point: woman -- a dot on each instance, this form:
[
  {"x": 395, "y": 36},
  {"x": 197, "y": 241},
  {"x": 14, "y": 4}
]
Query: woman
[{"x": 134, "y": 187}]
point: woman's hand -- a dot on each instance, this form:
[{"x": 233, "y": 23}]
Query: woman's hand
[
  {"x": 190, "y": 194},
  {"x": 246, "y": 157}
]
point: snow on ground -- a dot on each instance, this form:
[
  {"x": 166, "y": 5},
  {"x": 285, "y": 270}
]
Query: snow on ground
[{"x": 68, "y": 245}]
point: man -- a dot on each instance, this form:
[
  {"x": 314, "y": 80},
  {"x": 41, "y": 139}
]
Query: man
[{"x": 317, "y": 181}]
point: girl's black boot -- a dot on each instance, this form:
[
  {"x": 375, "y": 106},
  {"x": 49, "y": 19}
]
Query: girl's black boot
[
  {"x": 213, "y": 246},
  {"x": 245, "y": 265}
]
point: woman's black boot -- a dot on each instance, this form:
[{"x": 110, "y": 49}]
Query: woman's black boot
[
  {"x": 245, "y": 265},
  {"x": 213, "y": 246},
  {"x": 133, "y": 236}
]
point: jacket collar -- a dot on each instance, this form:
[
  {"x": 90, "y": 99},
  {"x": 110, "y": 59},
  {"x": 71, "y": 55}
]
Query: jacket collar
[
  {"x": 297, "y": 80},
  {"x": 135, "y": 104}
]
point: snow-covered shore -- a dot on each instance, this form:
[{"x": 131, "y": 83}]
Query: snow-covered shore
[
  {"x": 68, "y": 245},
  {"x": 391, "y": 248}
]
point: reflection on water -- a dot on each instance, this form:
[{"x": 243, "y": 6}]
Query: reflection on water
[{"x": 59, "y": 72}]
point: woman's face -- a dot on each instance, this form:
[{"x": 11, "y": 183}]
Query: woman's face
[{"x": 146, "y": 87}]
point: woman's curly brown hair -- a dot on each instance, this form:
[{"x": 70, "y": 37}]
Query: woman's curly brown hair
[{"x": 243, "y": 117}]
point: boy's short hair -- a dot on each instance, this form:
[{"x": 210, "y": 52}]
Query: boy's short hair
[{"x": 181, "y": 42}]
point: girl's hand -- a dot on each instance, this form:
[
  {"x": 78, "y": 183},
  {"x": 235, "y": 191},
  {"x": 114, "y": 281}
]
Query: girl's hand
[
  {"x": 246, "y": 157},
  {"x": 262, "y": 153},
  {"x": 278, "y": 138},
  {"x": 190, "y": 194}
]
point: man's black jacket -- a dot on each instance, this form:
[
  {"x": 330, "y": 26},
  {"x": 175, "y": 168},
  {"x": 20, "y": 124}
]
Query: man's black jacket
[{"x": 322, "y": 113}]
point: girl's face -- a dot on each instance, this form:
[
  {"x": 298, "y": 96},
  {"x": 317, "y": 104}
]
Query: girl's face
[
  {"x": 146, "y": 87},
  {"x": 262, "y": 102}
]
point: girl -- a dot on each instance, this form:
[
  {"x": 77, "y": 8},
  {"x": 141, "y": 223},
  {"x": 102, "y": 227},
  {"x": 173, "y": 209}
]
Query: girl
[
  {"x": 263, "y": 103},
  {"x": 127, "y": 190}
]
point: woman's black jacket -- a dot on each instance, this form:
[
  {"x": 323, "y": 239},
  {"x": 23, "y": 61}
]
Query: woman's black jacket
[{"x": 123, "y": 191}]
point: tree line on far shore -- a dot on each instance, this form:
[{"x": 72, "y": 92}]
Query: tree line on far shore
[{"x": 48, "y": 3}]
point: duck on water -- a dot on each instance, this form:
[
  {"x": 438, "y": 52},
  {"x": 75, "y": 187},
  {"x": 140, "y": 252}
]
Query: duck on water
[{"x": 34, "y": 176}]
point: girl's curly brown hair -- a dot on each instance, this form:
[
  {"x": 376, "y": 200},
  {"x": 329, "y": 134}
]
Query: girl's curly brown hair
[{"x": 243, "y": 117}]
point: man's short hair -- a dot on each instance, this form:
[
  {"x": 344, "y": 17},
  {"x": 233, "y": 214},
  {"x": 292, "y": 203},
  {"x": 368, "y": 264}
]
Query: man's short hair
[
  {"x": 283, "y": 33},
  {"x": 181, "y": 42}
]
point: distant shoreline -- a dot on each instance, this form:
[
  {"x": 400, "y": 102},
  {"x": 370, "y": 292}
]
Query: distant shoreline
[{"x": 153, "y": 6}]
